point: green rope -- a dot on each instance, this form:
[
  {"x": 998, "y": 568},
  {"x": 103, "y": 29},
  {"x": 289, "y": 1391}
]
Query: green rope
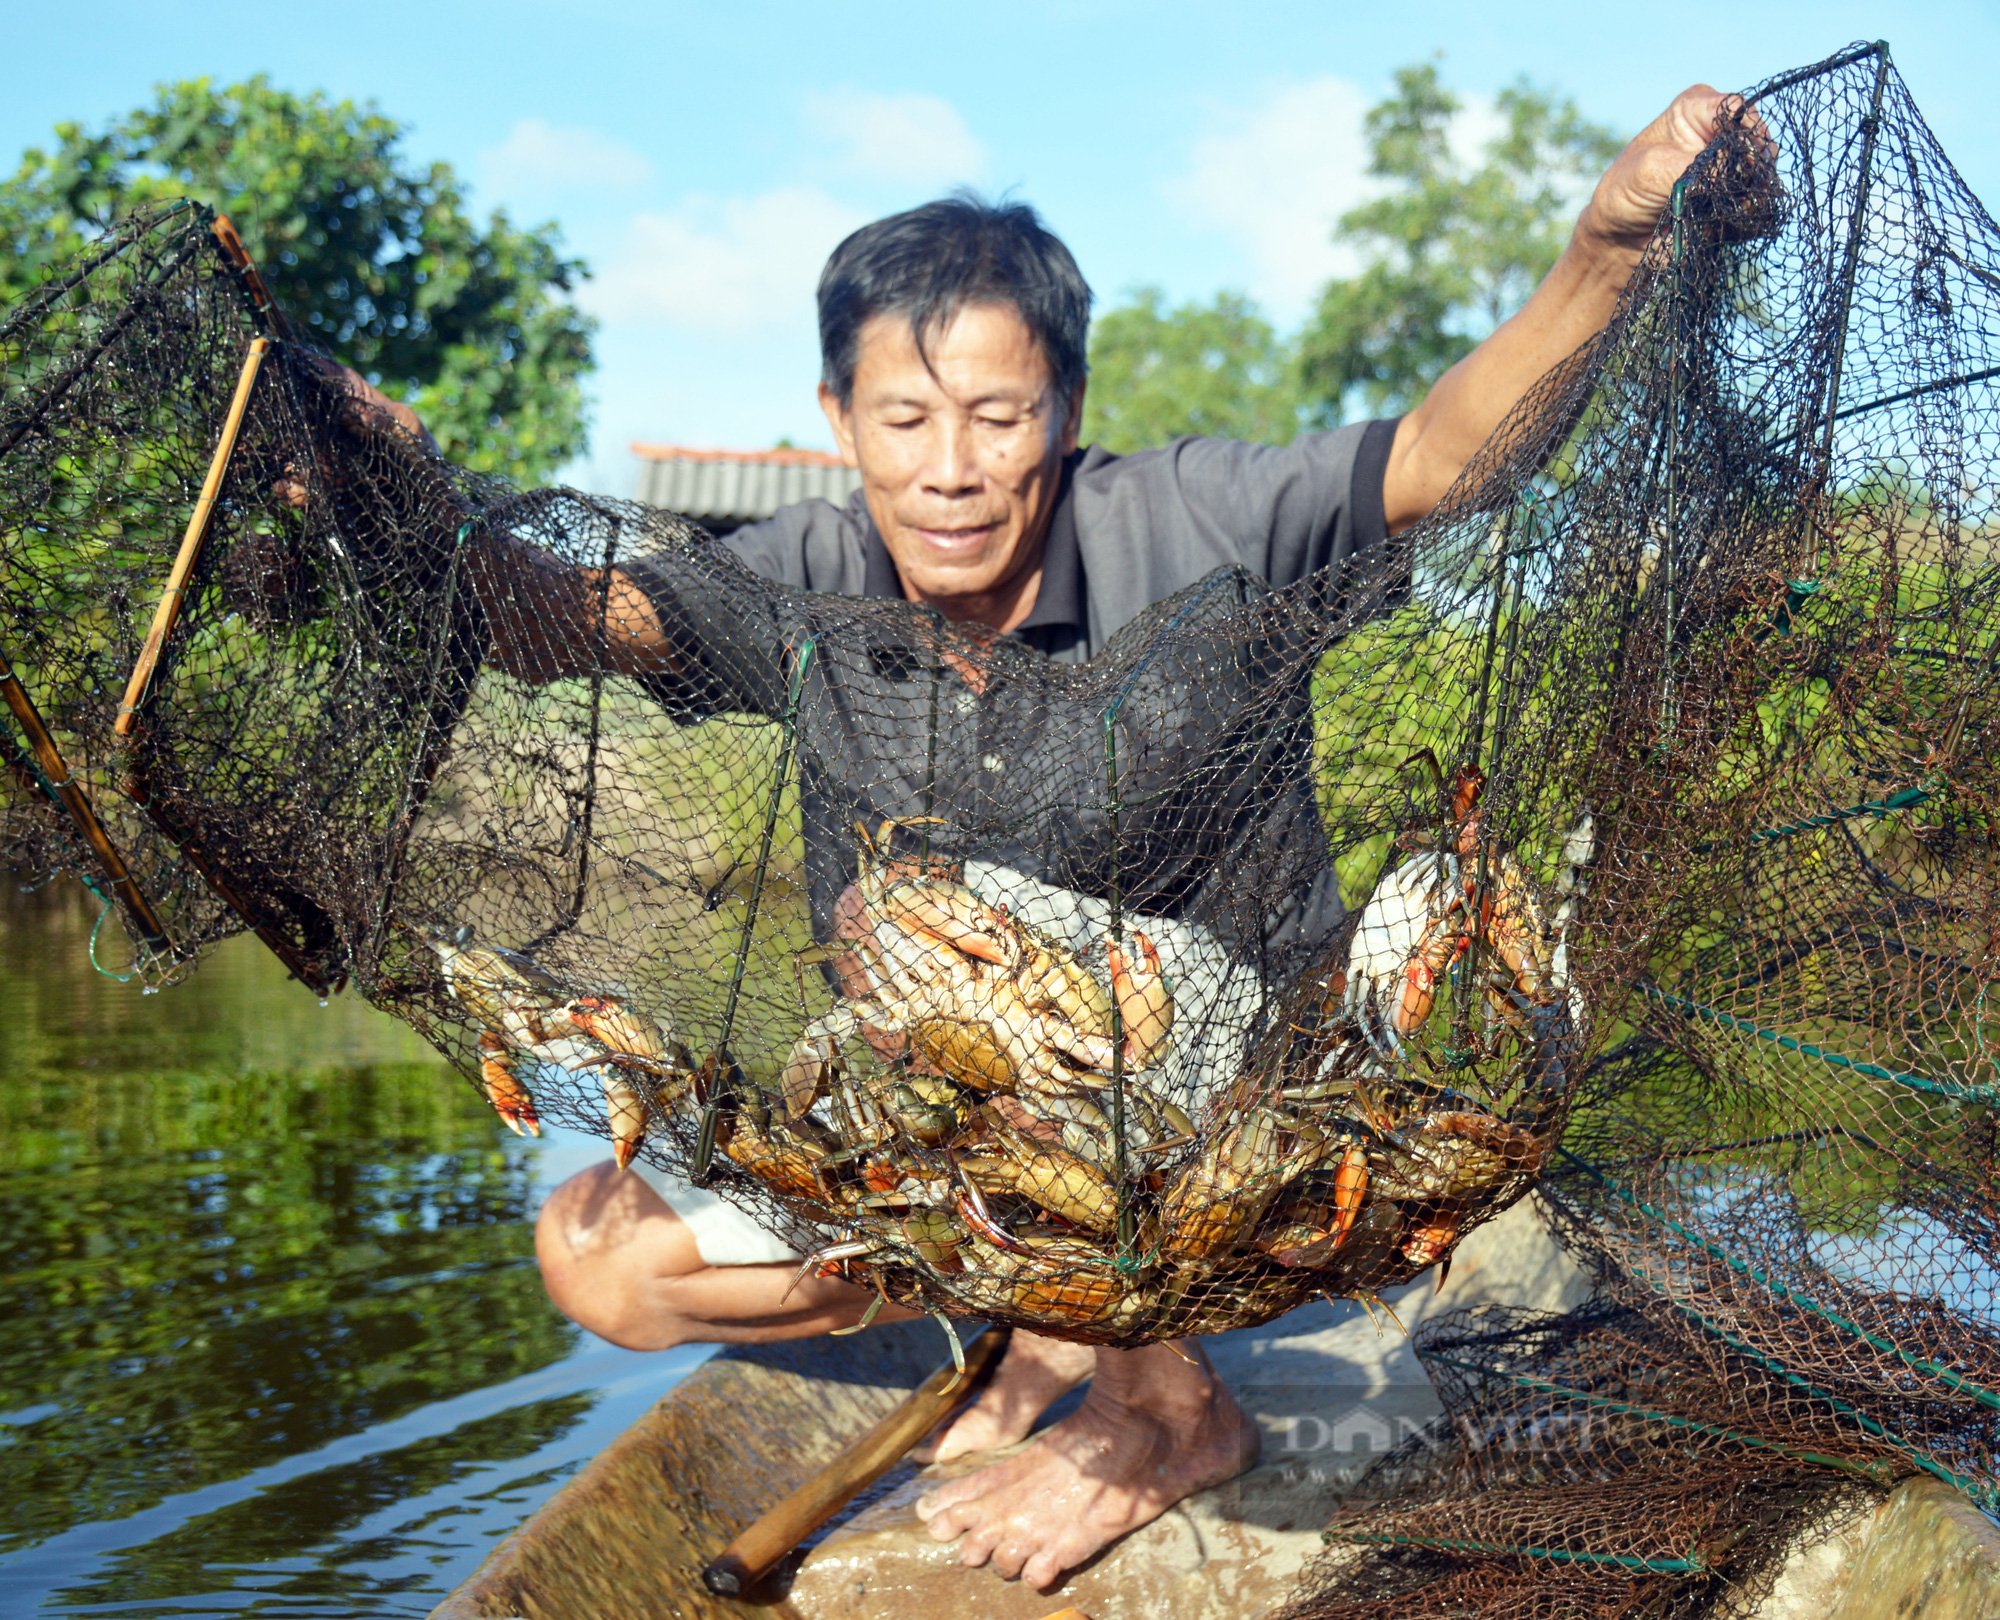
[
  {"x": 119, "y": 978},
  {"x": 1872, "y": 807},
  {"x": 1791, "y": 1043},
  {"x": 1905, "y": 800},
  {"x": 1982, "y": 1492},
  {"x": 1797, "y": 591},
  {"x": 1878, "y": 1471},
  {"x": 24, "y": 755},
  {"x": 1922, "y": 1364},
  {"x": 1651, "y": 1566}
]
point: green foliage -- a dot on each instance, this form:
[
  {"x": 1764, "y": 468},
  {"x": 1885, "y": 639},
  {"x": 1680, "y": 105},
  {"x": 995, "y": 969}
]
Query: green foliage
[
  {"x": 381, "y": 260},
  {"x": 1216, "y": 369},
  {"x": 1449, "y": 252}
]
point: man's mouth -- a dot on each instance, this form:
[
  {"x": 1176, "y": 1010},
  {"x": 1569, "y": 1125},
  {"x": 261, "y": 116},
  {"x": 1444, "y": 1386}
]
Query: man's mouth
[{"x": 955, "y": 539}]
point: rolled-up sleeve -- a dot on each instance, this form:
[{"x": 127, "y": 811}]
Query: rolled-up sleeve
[{"x": 1154, "y": 522}]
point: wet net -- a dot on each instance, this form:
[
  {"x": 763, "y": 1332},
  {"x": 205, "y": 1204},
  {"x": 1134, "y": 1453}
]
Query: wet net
[
  {"x": 1626, "y": 831},
  {"x": 1779, "y": 1159},
  {"x": 1143, "y": 997}
]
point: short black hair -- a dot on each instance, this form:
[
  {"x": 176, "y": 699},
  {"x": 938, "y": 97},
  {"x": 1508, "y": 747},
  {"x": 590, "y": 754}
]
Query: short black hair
[{"x": 932, "y": 262}]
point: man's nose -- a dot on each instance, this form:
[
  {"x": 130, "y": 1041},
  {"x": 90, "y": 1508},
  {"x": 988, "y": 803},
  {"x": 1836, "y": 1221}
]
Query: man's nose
[{"x": 954, "y": 468}]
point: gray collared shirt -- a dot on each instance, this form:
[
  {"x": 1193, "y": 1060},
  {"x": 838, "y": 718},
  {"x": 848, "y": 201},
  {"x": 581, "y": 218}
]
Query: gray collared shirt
[
  {"x": 1129, "y": 531},
  {"x": 1216, "y": 738}
]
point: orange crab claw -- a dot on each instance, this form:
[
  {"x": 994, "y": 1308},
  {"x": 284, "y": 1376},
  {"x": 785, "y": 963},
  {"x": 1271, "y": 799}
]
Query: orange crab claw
[
  {"x": 1421, "y": 976},
  {"x": 1145, "y": 1004},
  {"x": 1465, "y": 808},
  {"x": 1430, "y": 1237},
  {"x": 503, "y": 1087},
  {"x": 1350, "y": 1190},
  {"x": 624, "y": 1033},
  {"x": 956, "y": 925},
  {"x": 627, "y": 1112}
]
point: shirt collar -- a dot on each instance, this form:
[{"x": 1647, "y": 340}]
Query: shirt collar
[{"x": 1058, "y": 604}]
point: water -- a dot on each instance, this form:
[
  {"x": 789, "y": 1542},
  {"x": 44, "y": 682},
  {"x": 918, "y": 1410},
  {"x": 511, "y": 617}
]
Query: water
[{"x": 271, "y": 1337}]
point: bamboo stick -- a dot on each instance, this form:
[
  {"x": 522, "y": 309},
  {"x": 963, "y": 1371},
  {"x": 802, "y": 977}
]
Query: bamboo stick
[
  {"x": 260, "y": 295},
  {"x": 168, "y": 613},
  {"x": 56, "y": 772},
  {"x": 760, "y": 1548}
]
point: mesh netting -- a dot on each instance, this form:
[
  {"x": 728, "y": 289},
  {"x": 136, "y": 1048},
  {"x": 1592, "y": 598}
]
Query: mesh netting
[
  {"x": 1779, "y": 1160},
  {"x": 1627, "y": 830},
  {"x": 1131, "y": 999}
]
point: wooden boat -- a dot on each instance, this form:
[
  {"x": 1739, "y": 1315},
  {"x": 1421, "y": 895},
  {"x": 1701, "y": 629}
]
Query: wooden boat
[{"x": 628, "y": 1537}]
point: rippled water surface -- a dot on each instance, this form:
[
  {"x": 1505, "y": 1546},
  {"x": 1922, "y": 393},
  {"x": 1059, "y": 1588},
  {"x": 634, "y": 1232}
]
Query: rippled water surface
[{"x": 271, "y": 1337}]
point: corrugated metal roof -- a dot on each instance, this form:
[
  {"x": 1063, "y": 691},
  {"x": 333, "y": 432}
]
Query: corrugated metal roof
[{"x": 725, "y": 488}]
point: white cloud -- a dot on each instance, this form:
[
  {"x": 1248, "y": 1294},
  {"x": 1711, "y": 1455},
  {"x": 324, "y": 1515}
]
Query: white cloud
[
  {"x": 912, "y": 138},
  {"x": 536, "y": 155},
  {"x": 1276, "y": 177},
  {"x": 729, "y": 264}
]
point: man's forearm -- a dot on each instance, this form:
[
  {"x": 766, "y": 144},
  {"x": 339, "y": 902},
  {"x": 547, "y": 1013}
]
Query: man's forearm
[
  {"x": 1436, "y": 440},
  {"x": 549, "y": 617}
]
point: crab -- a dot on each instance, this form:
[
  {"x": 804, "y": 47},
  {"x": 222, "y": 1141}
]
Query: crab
[
  {"x": 979, "y": 996},
  {"x": 1427, "y": 914},
  {"x": 527, "y": 1013},
  {"x": 1217, "y": 1201}
]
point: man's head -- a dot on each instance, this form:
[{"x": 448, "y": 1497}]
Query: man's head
[{"x": 952, "y": 340}]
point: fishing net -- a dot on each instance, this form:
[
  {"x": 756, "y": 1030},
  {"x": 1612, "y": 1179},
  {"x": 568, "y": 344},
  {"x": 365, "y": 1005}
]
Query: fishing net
[
  {"x": 1625, "y": 830},
  {"x": 1130, "y": 999},
  {"x": 1779, "y": 1161}
]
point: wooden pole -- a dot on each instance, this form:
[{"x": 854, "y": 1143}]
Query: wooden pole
[
  {"x": 760, "y": 1549},
  {"x": 200, "y": 520},
  {"x": 56, "y": 772},
  {"x": 260, "y": 295}
]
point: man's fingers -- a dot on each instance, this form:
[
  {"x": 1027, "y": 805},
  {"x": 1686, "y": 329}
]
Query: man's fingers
[{"x": 368, "y": 405}]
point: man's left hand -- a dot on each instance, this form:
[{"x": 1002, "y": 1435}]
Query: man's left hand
[{"x": 1625, "y": 208}]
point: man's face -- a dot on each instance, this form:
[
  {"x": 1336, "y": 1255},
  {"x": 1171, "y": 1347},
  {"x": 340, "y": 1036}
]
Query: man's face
[{"x": 960, "y": 460}]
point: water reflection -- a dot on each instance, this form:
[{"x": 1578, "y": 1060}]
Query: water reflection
[{"x": 270, "y": 1332}]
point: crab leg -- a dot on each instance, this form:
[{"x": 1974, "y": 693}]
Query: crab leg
[
  {"x": 973, "y": 1211},
  {"x": 957, "y": 1351},
  {"x": 867, "y": 1317},
  {"x": 830, "y": 1255},
  {"x": 503, "y": 1086}
]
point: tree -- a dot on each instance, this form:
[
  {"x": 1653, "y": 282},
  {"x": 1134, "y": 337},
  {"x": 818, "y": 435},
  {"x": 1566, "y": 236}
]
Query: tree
[
  {"x": 1448, "y": 252},
  {"x": 1214, "y": 368},
  {"x": 380, "y": 260}
]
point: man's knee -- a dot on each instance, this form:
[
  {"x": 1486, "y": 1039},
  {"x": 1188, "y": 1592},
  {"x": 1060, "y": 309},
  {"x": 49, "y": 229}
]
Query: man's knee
[{"x": 609, "y": 1250}]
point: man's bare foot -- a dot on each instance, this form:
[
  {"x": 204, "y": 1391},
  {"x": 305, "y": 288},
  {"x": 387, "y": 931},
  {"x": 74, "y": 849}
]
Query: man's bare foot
[
  {"x": 1033, "y": 1375},
  {"x": 1154, "y": 1428}
]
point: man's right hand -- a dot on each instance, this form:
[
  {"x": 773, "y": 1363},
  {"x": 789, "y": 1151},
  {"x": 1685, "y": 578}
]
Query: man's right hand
[{"x": 372, "y": 407}]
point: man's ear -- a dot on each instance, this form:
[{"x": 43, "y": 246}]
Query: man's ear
[
  {"x": 1073, "y": 422},
  {"x": 841, "y": 423}
]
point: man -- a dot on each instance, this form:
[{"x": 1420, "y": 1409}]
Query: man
[{"x": 953, "y": 378}]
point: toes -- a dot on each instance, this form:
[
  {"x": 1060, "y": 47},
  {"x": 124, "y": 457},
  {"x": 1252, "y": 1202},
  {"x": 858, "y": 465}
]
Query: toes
[
  {"x": 949, "y": 1522},
  {"x": 973, "y": 1432},
  {"x": 944, "y": 1498},
  {"x": 978, "y": 1547},
  {"x": 1042, "y": 1571},
  {"x": 1009, "y": 1559}
]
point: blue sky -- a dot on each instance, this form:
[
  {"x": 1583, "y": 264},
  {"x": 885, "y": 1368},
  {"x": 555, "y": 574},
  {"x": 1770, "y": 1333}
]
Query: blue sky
[{"x": 704, "y": 158}]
